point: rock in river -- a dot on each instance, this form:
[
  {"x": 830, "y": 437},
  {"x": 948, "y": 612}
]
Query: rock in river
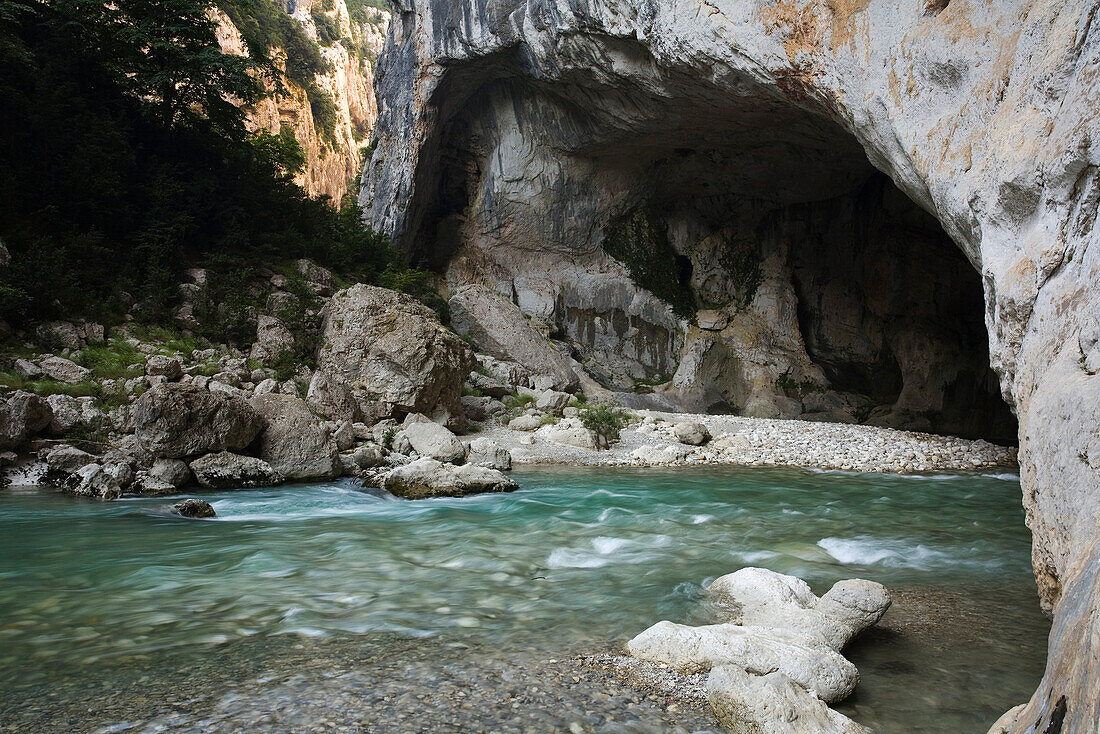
[
  {"x": 193, "y": 508},
  {"x": 230, "y": 471},
  {"x": 429, "y": 478}
]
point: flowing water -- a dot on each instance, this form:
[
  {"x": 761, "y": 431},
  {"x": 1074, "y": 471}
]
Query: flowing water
[{"x": 119, "y": 616}]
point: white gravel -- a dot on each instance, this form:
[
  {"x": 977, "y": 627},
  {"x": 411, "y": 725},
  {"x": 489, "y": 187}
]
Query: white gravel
[{"x": 766, "y": 442}]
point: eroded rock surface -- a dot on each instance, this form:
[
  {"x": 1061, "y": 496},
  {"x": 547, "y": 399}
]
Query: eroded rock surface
[{"x": 174, "y": 421}]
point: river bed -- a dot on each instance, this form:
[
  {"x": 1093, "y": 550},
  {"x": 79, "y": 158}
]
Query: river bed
[{"x": 317, "y": 607}]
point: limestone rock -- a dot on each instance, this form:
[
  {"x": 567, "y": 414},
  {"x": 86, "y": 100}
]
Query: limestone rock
[
  {"x": 225, "y": 470},
  {"x": 571, "y": 432},
  {"x": 490, "y": 454},
  {"x": 771, "y": 704},
  {"x": 272, "y": 339},
  {"x": 499, "y": 327},
  {"x": 344, "y": 435},
  {"x": 812, "y": 665},
  {"x": 488, "y": 385},
  {"x": 22, "y": 414},
  {"x": 294, "y": 442},
  {"x": 176, "y": 421},
  {"x": 173, "y": 472},
  {"x": 435, "y": 442},
  {"x": 193, "y": 508},
  {"x": 368, "y": 456},
  {"x": 552, "y": 401},
  {"x": 92, "y": 480},
  {"x": 693, "y": 434},
  {"x": 425, "y": 478},
  {"x": 390, "y": 350},
  {"x": 159, "y": 365},
  {"x": 763, "y": 598},
  {"x": 650, "y": 454},
  {"x": 321, "y": 280},
  {"x": 64, "y": 370},
  {"x": 525, "y": 423},
  {"x": 65, "y": 460}
]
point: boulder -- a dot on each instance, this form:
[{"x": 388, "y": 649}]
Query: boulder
[
  {"x": 27, "y": 369},
  {"x": 71, "y": 414},
  {"x": 479, "y": 409},
  {"x": 762, "y": 598},
  {"x": 193, "y": 508},
  {"x": 224, "y": 470},
  {"x": 691, "y": 433},
  {"x": 65, "y": 460},
  {"x": 294, "y": 442},
  {"x": 172, "y": 472},
  {"x": 814, "y": 666},
  {"x": 64, "y": 370},
  {"x": 572, "y": 432},
  {"x": 425, "y": 478},
  {"x": 504, "y": 371},
  {"x": 272, "y": 339},
  {"x": 344, "y": 435},
  {"x": 146, "y": 484},
  {"x": 159, "y": 365},
  {"x": 368, "y": 456},
  {"x": 393, "y": 356},
  {"x": 319, "y": 279},
  {"x": 266, "y": 387},
  {"x": 552, "y": 401},
  {"x": 63, "y": 334},
  {"x": 489, "y": 454},
  {"x": 650, "y": 454},
  {"x": 500, "y": 328},
  {"x": 121, "y": 472},
  {"x": 92, "y": 480},
  {"x": 489, "y": 385},
  {"x": 435, "y": 442},
  {"x": 175, "y": 421},
  {"x": 711, "y": 320},
  {"x": 771, "y": 704},
  {"x": 525, "y": 423},
  {"x": 22, "y": 414}
]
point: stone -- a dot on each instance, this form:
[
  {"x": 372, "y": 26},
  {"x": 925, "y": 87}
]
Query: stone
[
  {"x": 368, "y": 456},
  {"x": 504, "y": 371},
  {"x": 571, "y": 432},
  {"x": 224, "y": 470},
  {"x": 65, "y": 460},
  {"x": 22, "y": 415},
  {"x": 389, "y": 350},
  {"x": 435, "y": 442},
  {"x": 763, "y": 598},
  {"x": 92, "y": 480},
  {"x": 272, "y": 339},
  {"x": 771, "y": 704},
  {"x": 122, "y": 473},
  {"x": 64, "y": 370},
  {"x": 294, "y": 443},
  {"x": 144, "y": 484},
  {"x": 499, "y": 327},
  {"x": 176, "y": 421},
  {"x": 487, "y": 453},
  {"x": 266, "y": 387},
  {"x": 193, "y": 508},
  {"x": 173, "y": 472},
  {"x": 477, "y": 408},
  {"x": 425, "y": 478},
  {"x": 321, "y": 280},
  {"x": 489, "y": 385},
  {"x": 344, "y": 436},
  {"x": 525, "y": 423},
  {"x": 812, "y": 665},
  {"x": 711, "y": 320},
  {"x": 27, "y": 369},
  {"x": 552, "y": 401},
  {"x": 650, "y": 454},
  {"x": 159, "y": 365},
  {"x": 62, "y": 334},
  {"x": 693, "y": 434}
]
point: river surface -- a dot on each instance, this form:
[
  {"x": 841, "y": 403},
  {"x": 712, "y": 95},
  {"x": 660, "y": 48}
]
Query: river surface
[{"x": 327, "y": 607}]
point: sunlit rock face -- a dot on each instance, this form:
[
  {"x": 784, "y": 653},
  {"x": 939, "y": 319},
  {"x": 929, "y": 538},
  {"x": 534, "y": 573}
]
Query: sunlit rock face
[{"x": 724, "y": 151}]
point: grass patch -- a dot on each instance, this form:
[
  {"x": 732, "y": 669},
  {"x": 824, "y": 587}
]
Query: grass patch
[
  {"x": 519, "y": 401},
  {"x": 114, "y": 359}
]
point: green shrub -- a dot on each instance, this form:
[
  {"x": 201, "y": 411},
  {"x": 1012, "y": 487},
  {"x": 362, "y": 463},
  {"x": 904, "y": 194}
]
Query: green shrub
[
  {"x": 639, "y": 240},
  {"x": 605, "y": 420},
  {"x": 519, "y": 400},
  {"x": 740, "y": 258}
]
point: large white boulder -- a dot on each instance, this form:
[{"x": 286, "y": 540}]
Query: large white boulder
[
  {"x": 225, "y": 470},
  {"x": 771, "y": 704},
  {"x": 430, "y": 478},
  {"x": 487, "y": 453},
  {"x": 64, "y": 370},
  {"x": 22, "y": 414},
  {"x": 434, "y": 441},
  {"x": 572, "y": 432}
]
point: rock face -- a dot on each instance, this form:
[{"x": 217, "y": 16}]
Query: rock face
[
  {"x": 393, "y": 356},
  {"x": 174, "y": 421},
  {"x": 425, "y": 478},
  {"x": 294, "y": 443},
  {"x": 725, "y": 148}
]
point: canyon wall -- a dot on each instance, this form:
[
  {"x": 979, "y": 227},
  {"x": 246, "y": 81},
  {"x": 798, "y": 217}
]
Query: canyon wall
[
  {"x": 684, "y": 192},
  {"x": 334, "y": 149}
]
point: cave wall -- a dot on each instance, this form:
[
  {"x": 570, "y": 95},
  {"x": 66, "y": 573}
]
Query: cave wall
[{"x": 513, "y": 131}]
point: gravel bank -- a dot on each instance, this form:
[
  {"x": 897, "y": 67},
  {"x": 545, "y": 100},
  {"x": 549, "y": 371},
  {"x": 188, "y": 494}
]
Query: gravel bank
[{"x": 767, "y": 442}]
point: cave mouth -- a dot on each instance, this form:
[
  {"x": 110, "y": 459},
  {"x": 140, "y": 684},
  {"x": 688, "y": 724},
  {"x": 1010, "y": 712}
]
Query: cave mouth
[{"x": 843, "y": 299}]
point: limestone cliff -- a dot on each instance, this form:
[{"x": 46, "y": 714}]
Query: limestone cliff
[
  {"x": 686, "y": 188},
  {"x": 333, "y": 148}
]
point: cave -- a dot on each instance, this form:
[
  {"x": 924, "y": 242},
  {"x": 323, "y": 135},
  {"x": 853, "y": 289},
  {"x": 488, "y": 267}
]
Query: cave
[{"x": 837, "y": 296}]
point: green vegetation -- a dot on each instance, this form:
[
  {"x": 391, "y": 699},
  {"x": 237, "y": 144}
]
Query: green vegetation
[
  {"x": 519, "y": 401},
  {"x": 646, "y": 385},
  {"x": 122, "y": 164},
  {"x": 639, "y": 240},
  {"x": 328, "y": 30},
  {"x": 605, "y": 420},
  {"x": 794, "y": 389},
  {"x": 115, "y": 359},
  {"x": 740, "y": 258}
]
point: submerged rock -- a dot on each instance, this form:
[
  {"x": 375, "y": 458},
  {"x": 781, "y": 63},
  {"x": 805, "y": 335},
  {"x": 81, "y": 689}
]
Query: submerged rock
[
  {"x": 425, "y": 478},
  {"x": 193, "y": 508},
  {"x": 224, "y": 470}
]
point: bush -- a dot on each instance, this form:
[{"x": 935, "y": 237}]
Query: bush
[{"x": 605, "y": 420}]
